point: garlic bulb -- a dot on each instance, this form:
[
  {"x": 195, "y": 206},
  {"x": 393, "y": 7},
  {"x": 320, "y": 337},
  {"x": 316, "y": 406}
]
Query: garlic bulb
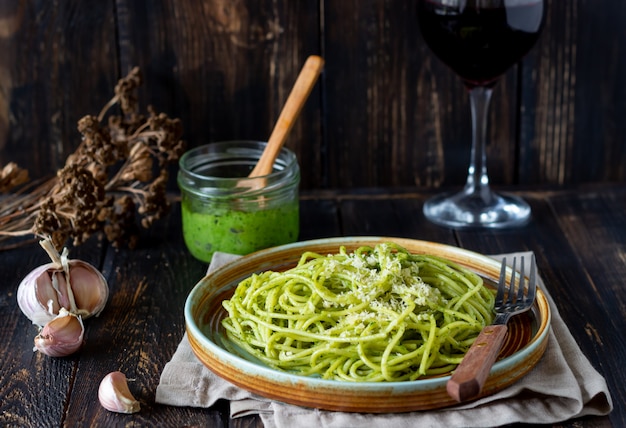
[
  {"x": 115, "y": 396},
  {"x": 74, "y": 285},
  {"x": 62, "y": 336}
]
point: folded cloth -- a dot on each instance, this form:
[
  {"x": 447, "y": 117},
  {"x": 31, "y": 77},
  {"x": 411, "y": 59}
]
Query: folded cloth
[{"x": 562, "y": 386}]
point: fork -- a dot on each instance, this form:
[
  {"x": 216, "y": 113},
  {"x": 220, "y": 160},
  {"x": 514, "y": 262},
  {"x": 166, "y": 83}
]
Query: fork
[{"x": 469, "y": 377}]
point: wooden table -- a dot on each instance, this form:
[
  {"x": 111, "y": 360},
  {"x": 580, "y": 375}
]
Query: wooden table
[{"x": 578, "y": 236}]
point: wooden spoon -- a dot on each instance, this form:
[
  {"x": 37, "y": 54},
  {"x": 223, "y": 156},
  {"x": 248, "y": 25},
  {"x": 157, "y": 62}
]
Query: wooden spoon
[{"x": 299, "y": 94}]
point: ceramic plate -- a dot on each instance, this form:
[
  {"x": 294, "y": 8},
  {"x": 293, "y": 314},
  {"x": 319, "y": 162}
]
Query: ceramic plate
[{"x": 524, "y": 346}]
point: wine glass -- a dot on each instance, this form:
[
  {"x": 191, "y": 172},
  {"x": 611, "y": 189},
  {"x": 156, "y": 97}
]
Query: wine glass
[{"x": 479, "y": 40}]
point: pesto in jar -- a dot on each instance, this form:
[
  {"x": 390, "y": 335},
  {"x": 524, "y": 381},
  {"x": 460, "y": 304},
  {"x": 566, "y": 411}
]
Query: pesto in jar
[{"x": 206, "y": 229}]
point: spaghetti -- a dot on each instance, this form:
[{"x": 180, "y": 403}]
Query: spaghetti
[{"x": 377, "y": 314}]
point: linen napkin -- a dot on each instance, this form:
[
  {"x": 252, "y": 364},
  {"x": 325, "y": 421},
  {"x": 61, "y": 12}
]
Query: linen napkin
[{"x": 562, "y": 386}]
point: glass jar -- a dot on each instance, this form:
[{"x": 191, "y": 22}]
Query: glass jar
[{"x": 224, "y": 210}]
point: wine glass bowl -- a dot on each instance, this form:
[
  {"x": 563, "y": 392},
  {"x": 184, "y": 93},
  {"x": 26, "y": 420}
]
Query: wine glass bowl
[{"x": 479, "y": 40}]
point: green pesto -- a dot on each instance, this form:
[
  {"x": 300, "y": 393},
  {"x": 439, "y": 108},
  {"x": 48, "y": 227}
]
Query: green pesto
[{"x": 207, "y": 229}]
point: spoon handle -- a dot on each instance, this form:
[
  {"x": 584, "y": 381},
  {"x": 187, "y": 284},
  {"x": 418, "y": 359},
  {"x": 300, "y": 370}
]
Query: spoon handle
[{"x": 298, "y": 95}]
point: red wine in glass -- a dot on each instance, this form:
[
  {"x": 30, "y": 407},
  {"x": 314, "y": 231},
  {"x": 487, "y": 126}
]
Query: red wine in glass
[
  {"x": 479, "y": 40},
  {"x": 480, "y": 43}
]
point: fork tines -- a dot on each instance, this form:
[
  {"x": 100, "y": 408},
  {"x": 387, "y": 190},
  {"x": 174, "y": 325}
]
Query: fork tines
[{"x": 520, "y": 290}]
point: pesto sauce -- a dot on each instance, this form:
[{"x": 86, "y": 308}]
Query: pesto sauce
[{"x": 208, "y": 229}]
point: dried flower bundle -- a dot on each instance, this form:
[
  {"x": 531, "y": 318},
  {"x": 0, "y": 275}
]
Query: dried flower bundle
[{"x": 115, "y": 180}]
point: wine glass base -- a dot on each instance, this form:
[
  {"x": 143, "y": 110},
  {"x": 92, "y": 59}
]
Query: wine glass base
[{"x": 469, "y": 210}]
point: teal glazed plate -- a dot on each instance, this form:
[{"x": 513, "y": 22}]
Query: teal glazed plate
[{"x": 524, "y": 346}]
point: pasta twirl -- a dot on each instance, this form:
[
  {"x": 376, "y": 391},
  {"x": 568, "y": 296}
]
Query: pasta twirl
[{"x": 376, "y": 314}]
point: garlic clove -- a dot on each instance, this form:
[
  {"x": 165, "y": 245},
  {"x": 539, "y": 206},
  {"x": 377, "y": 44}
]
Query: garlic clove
[
  {"x": 115, "y": 396},
  {"x": 89, "y": 286},
  {"x": 36, "y": 297},
  {"x": 61, "y": 336}
]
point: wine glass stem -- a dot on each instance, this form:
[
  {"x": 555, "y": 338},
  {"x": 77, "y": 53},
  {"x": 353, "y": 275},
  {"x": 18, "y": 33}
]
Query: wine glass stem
[{"x": 477, "y": 178}]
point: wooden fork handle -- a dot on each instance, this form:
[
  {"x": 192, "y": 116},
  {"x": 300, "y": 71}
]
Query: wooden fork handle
[{"x": 469, "y": 377}]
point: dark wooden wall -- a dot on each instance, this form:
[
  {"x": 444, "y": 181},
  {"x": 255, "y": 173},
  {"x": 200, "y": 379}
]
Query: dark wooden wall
[{"x": 385, "y": 112}]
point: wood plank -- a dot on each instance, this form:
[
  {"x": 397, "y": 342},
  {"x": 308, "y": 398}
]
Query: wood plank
[
  {"x": 386, "y": 112},
  {"x": 319, "y": 218},
  {"x": 578, "y": 237},
  {"x": 59, "y": 64},
  {"x": 407, "y": 119},
  {"x": 594, "y": 226},
  {"x": 140, "y": 328},
  {"x": 226, "y": 68},
  {"x": 578, "y": 97},
  {"x": 372, "y": 214}
]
